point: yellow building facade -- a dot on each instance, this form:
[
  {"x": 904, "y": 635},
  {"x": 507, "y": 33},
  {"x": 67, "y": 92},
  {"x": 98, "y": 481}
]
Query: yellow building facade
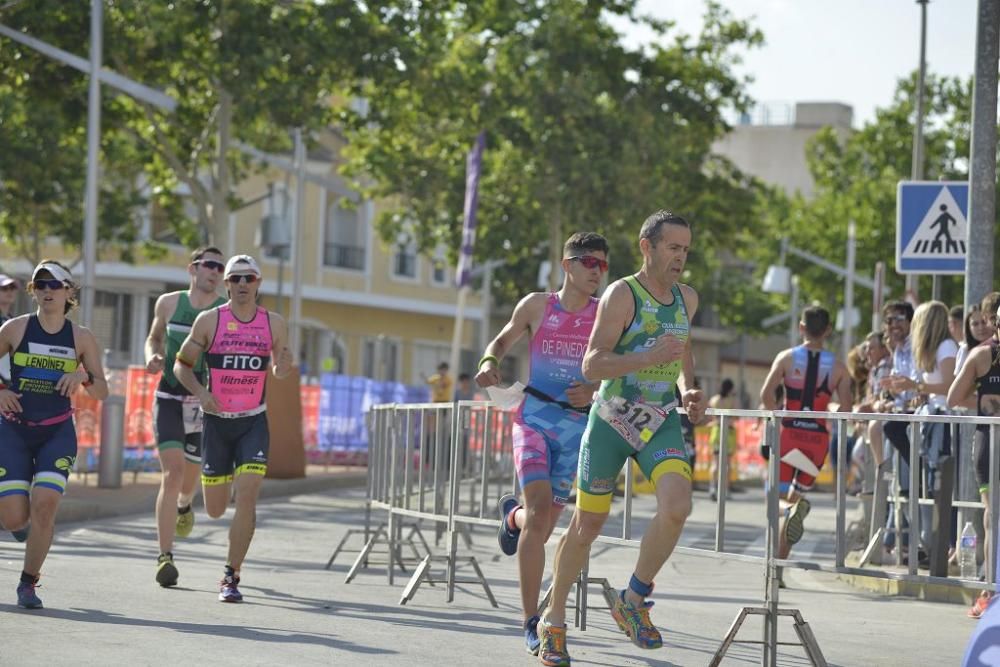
[{"x": 367, "y": 308}]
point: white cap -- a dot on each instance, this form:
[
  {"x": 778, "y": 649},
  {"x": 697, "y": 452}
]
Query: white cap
[
  {"x": 56, "y": 271},
  {"x": 241, "y": 264},
  {"x": 6, "y": 280}
]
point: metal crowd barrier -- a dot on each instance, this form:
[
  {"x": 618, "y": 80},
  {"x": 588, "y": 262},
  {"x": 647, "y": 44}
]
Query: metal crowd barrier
[{"x": 436, "y": 463}]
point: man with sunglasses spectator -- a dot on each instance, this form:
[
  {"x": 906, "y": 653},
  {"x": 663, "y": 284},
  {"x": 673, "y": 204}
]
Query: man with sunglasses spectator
[
  {"x": 8, "y": 295},
  {"x": 897, "y": 316},
  {"x": 177, "y": 415},
  {"x": 551, "y": 419},
  {"x": 241, "y": 343}
]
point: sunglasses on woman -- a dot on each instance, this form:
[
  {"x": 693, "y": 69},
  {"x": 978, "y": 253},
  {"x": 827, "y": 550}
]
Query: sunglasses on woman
[
  {"x": 247, "y": 278},
  {"x": 43, "y": 284},
  {"x": 590, "y": 262},
  {"x": 211, "y": 264}
]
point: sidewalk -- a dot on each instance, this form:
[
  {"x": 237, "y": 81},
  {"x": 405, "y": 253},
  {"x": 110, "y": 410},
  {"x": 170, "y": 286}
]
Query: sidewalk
[{"x": 85, "y": 501}]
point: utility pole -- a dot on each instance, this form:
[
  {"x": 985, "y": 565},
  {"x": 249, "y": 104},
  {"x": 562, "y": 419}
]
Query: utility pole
[
  {"x": 982, "y": 156},
  {"x": 93, "y": 163},
  {"x": 98, "y": 74},
  {"x": 917, "y": 168}
]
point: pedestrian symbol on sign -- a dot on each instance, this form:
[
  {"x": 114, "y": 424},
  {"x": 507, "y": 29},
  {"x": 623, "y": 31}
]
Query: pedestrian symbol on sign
[
  {"x": 943, "y": 221},
  {"x": 942, "y": 231}
]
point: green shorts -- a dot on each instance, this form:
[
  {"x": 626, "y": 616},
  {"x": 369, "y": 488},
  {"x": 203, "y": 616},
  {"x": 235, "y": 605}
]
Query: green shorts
[{"x": 603, "y": 452}]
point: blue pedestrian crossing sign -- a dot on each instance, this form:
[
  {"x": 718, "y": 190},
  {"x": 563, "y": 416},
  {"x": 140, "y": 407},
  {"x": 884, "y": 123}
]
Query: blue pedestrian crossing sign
[{"x": 931, "y": 226}]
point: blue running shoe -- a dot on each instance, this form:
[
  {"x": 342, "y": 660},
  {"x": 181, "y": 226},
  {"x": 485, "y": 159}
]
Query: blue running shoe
[
  {"x": 531, "y": 641},
  {"x": 505, "y": 536},
  {"x": 228, "y": 591},
  {"x": 21, "y": 535},
  {"x": 26, "y": 597}
]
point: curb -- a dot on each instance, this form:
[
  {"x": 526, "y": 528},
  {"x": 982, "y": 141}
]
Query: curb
[
  {"x": 929, "y": 592},
  {"x": 73, "y": 510}
]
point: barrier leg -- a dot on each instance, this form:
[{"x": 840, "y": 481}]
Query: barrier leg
[
  {"x": 941, "y": 523},
  {"x": 415, "y": 580},
  {"x": 363, "y": 555}
]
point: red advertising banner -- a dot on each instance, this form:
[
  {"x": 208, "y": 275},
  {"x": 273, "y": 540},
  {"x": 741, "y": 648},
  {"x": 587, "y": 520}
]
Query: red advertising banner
[
  {"x": 87, "y": 419},
  {"x": 140, "y": 392},
  {"x": 311, "y": 394}
]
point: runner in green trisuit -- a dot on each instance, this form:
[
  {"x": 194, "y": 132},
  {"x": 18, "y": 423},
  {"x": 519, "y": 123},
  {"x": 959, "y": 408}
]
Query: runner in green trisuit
[{"x": 640, "y": 348}]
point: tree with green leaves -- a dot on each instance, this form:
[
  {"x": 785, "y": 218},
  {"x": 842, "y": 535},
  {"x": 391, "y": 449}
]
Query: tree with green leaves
[
  {"x": 43, "y": 146},
  {"x": 248, "y": 70},
  {"x": 856, "y": 179},
  {"x": 582, "y": 131}
]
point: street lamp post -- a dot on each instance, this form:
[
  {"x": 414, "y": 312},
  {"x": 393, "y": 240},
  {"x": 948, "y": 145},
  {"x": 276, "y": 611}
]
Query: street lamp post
[{"x": 779, "y": 280}]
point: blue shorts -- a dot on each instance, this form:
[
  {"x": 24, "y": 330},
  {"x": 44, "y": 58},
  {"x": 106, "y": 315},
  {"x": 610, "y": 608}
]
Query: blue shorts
[
  {"x": 547, "y": 445},
  {"x": 233, "y": 447},
  {"x": 39, "y": 456}
]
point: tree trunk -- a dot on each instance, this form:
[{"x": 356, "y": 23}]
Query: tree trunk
[{"x": 217, "y": 233}]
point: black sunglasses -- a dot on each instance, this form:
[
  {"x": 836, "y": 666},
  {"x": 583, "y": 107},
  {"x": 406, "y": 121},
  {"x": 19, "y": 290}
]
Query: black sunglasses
[
  {"x": 889, "y": 319},
  {"x": 590, "y": 262},
  {"x": 247, "y": 278},
  {"x": 211, "y": 264},
  {"x": 43, "y": 284}
]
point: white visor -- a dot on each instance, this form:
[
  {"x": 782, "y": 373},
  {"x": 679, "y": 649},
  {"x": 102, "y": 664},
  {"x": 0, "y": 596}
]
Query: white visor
[
  {"x": 241, "y": 264},
  {"x": 56, "y": 271}
]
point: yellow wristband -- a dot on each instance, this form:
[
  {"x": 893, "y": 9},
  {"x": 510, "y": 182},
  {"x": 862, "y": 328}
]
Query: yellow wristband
[{"x": 488, "y": 357}]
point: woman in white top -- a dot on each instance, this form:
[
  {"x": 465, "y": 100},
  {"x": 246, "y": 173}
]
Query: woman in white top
[{"x": 934, "y": 352}]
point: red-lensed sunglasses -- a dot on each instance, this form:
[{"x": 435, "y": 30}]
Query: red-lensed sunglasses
[
  {"x": 247, "y": 278},
  {"x": 590, "y": 262}
]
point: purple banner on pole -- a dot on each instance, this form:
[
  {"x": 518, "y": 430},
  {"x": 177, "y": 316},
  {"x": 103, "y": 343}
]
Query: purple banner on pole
[{"x": 473, "y": 165}]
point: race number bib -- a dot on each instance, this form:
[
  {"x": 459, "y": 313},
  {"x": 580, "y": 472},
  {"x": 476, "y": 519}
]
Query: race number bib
[
  {"x": 634, "y": 422},
  {"x": 191, "y": 414}
]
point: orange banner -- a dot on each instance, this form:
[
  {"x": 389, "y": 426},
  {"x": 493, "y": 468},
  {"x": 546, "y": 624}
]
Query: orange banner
[
  {"x": 310, "y": 415},
  {"x": 87, "y": 419},
  {"x": 746, "y": 463},
  {"x": 140, "y": 393}
]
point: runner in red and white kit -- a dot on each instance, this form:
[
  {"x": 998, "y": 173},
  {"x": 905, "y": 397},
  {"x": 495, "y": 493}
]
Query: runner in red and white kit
[
  {"x": 240, "y": 340},
  {"x": 810, "y": 375}
]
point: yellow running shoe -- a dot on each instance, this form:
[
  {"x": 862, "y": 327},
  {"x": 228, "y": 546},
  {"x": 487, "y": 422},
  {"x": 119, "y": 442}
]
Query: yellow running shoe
[
  {"x": 166, "y": 571},
  {"x": 185, "y": 522}
]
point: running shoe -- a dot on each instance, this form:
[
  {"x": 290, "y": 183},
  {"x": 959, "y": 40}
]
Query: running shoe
[
  {"x": 635, "y": 622},
  {"x": 980, "y": 605},
  {"x": 185, "y": 522},
  {"x": 22, "y": 534},
  {"x": 228, "y": 591},
  {"x": 794, "y": 522},
  {"x": 26, "y": 597},
  {"x": 166, "y": 571},
  {"x": 531, "y": 641},
  {"x": 552, "y": 645},
  {"x": 505, "y": 536}
]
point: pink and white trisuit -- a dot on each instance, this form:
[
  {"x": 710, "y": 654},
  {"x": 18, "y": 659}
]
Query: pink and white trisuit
[
  {"x": 547, "y": 432},
  {"x": 235, "y": 439}
]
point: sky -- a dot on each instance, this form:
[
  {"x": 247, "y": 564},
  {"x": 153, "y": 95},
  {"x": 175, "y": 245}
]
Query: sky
[{"x": 850, "y": 51}]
